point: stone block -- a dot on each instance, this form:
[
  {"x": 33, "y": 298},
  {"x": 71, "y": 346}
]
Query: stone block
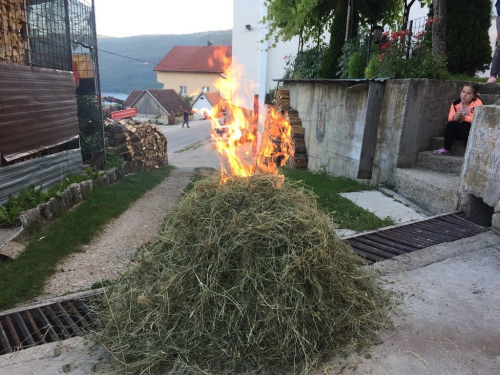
[
  {"x": 495, "y": 221},
  {"x": 75, "y": 193}
]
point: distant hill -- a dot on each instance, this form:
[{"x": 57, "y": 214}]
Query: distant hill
[{"x": 122, "y": 75}]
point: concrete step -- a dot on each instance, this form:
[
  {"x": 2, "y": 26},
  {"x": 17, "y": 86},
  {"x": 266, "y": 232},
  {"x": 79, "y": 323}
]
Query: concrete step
[
  {"x": 434, "y": 192},
  {"x": 457, "y": 147},
  {"x": 488, "y": 99},
  {"x": 489, "y": 88},
  {"x": 442, "y": 163}
]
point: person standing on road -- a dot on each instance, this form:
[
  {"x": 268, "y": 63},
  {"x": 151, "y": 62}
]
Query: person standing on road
[
  {"x": 186, "y": 119},
  {"x": 495, "y": 63}
]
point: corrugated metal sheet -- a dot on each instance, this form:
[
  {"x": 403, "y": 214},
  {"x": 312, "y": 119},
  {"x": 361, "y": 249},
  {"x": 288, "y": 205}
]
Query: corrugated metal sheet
[
  {"x": 46, "y": 171},
  {"x": 38, "y": 110}
]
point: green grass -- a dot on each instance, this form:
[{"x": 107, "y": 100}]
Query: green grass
[
  {"x": 25, "y": 277},
  {"x": 343, "y": 212}
]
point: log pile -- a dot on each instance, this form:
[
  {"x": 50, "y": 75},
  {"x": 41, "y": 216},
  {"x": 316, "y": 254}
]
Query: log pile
[
  {"x": 138, "y": 142},
  {"x": 282, "y": 104},
  {"x": 12, "y": 40}
]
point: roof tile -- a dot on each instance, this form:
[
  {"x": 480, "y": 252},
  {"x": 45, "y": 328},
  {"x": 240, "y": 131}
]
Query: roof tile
[{"x": 195, "y": 59}]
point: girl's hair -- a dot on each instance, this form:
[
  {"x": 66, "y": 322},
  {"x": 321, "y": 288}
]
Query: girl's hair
[{"x": 475, "y": 88}]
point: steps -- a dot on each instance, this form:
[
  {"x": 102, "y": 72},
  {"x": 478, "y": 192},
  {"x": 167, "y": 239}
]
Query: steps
[{"x": 433, "y": 183}]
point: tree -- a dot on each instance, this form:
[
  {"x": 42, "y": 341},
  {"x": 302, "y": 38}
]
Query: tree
[
  {"x": 309, "y": 18},
  {"x": 468, "y": 46},
  {"x": 439, "y": 28}
]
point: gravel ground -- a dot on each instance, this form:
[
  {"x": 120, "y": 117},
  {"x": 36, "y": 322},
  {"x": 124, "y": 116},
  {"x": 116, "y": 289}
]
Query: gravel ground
[{"x": 110, "y": 252}]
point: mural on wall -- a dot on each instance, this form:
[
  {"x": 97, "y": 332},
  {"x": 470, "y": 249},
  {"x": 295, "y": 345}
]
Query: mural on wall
[{"x": 320, "y": 125}]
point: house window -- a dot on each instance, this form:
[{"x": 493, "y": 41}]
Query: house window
[
  {"x": 183, "y": 90},
  {"x": 205, "y": 89}
]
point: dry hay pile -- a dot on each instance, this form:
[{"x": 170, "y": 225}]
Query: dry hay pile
[{"x": 244, "y": 277}]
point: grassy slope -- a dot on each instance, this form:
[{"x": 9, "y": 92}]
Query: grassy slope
[{"x": 25, "y": 277}]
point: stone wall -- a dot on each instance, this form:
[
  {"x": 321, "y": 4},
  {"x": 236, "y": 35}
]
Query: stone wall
[
  {"x": 481, "y": 169},
  {"x": 71, "y": 196},
  {"x": 411, "y": 112}
]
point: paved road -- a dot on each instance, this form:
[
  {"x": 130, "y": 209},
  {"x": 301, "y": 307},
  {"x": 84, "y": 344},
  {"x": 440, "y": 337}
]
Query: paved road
[{"x": 179, "y": 138}]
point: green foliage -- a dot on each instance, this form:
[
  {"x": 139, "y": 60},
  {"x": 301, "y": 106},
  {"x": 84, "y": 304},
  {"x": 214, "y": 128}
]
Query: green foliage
[
  {"x": 467, "y": 39},
  {"x": 306, "y": 64},
  {"x": 187, "y": 99},
  {"x": 310, "y": 18},
  {"x": 331, "y": 58},
  {"x": 343, "y": 212},
  {"x": 113, "y": 160},
  {"x": 373, "y": 68},
  {"x": 289, "y": 18},
  {"x": 31, "y": 197},
  {"x": 404, "y": 56},
  {"x": 353, "y": 61},
  {"x": 26, "y": 276}
]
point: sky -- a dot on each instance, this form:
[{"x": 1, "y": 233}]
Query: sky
[{"x": 122, "y": 18}]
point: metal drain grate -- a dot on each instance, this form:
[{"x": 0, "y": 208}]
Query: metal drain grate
[
  {"x": 387, "y": 243},
  {"x": 43, "y": 324}
]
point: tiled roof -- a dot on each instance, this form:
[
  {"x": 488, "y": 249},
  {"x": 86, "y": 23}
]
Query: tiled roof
[
  {"x": 214, "y": 98},
  {"x": 170, "y": 100},
  {"x": 195, "y": 59},
  {"x": 134, "y": 94}
]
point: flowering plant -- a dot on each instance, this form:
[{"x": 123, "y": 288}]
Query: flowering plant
[{"x": 407, "y": 55}]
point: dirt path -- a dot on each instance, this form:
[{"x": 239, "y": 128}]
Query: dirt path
[{"x": 110, "y": 252}]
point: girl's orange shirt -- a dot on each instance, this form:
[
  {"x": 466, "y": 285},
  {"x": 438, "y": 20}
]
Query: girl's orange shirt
[{"x": 455, "y": 107}]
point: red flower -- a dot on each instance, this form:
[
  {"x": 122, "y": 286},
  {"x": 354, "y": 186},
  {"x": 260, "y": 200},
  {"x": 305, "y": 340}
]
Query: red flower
[
  {"x": 382, "y": 57},
  {"x": 394, "y": 36},
  {"x": 384, "y": 46}
]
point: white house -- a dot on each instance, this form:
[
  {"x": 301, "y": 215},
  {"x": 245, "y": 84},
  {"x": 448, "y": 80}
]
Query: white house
[
  {"x": 262, "y": 64},
  {"x": 204, "y": 103}
]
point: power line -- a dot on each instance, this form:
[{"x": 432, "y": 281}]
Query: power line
[{"x": 127, "y": 57}]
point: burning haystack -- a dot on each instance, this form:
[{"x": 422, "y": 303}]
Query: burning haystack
[{"x": 245, "y": 276}]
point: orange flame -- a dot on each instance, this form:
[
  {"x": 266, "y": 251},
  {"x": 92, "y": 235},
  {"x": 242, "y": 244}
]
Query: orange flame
[{"x": 236, "y": 139}]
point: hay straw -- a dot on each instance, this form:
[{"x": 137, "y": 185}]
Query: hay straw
[{"x": 244, "y": 277}]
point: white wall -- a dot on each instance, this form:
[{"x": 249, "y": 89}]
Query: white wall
[{"x": 261, "y": 66}]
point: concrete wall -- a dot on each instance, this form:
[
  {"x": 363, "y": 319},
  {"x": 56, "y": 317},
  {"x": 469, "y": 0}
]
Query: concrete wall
[
  {"x": 412, "y": 111},
  {"x": 193, "y": 81},
  {"x": 481, "y": 169}
]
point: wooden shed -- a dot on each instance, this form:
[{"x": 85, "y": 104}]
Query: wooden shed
[{"x": 162, "y": 103}]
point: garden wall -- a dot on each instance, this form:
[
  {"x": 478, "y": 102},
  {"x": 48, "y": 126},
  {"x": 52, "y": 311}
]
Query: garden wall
[{"x": 365, "y": 129}]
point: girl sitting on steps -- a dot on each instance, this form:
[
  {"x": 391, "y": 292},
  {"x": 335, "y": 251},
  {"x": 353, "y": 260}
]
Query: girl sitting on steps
[{"x": 460, "y": 118}]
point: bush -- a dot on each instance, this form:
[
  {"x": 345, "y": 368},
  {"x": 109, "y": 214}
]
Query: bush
[
  {"x": 31, "y": 197},
  {"x": 406, "y": 56},
  {"x": 467, "y": 36},
  {"x": 306, "y": 64},
  {"x": 353, "y": 62}
]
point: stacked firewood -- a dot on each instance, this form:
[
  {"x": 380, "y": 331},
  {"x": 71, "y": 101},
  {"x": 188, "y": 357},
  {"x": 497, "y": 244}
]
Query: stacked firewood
[
  {"x": 138, "y": 142},
  {"x": 282, "y": 104},
  {"x": 12, "y": 41},
  {"x": 281, "y": 100},
  {"x": 298, "y": 132}
]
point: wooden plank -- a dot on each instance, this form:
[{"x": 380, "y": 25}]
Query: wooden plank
[{"x": 374, "y": 107}]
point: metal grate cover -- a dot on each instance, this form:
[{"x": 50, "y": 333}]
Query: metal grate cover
[
  {"x": 387, "y": 243},
  {"x": 44, "y": 324}
]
